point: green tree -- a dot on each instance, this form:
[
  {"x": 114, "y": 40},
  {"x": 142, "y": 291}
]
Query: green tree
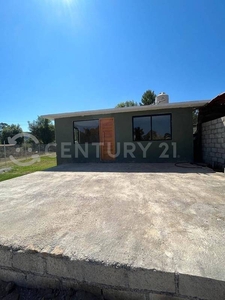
[
  {"x": 10, "y": 131},
  {"x": 3, "y": 125},
  {"x": 195, "y": 116},
  {"x": 127, "y": 104},
  {"x": 148, "y": 98},
  {"x": 43, "y": 130}
]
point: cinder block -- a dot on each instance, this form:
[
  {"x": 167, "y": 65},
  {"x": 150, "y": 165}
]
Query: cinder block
[
  {"x": 151, "y": 280},
  {"x": 5, "y": 257},
  {"x": 10, "y": 275},
  {"x": 31, "y": 262},
  {"x": 221, "y": 160},
  {"x": 203, "y": 288},
  {"x": 214, "y": 150},
  {"x": 206, "y": 140},
  {"x": 221, "y": 150},
  {"x": 217, "y": 145},
  {"x": 219, "y": 125},
  {"x": 90, "y": 289},
  {"x": 123, "y": 295},
  {"x": 37, "y": 281},
  {"x": 69, "y": 284},
  {"x": 75, "y": 285},
  {"x": 206, "y": 155},
  {"x": 64, "y": 267},
  {"x": 214, "y": 121},
  {"x": 163, "y": 297},
  {"x": 218, "y": 155},
  {"x": 108, "y": 275}
]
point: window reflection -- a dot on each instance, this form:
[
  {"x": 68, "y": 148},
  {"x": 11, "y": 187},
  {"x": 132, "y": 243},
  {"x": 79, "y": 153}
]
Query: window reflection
[
  {"x": 161, "y": 127},
  {"x": 86, "y": 131},
  {"x": 156, "y": 127}
]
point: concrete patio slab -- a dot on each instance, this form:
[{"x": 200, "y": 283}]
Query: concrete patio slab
[{"x": 146, "y": 229}]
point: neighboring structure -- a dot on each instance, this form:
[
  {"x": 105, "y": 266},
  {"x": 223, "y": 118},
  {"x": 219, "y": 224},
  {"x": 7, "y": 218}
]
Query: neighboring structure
[
  {"x": 152, "y": 133},
  {"x": 213, "y": 142},
  {"x": 211, "y": 133}
]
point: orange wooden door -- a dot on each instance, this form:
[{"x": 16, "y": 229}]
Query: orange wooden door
[{"x": 107, "y": 139}]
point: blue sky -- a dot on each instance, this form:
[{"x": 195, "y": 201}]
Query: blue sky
[{"x": 70, "y": 55}]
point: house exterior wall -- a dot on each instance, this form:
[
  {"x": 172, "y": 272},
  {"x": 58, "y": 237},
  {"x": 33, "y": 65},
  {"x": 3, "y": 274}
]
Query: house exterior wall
[
  {"x": 213, "y": 142},
  {"x": 179, "y": 148}
]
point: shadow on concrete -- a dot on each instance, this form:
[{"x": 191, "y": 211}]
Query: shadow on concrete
[{"x": 132, "y": 168}]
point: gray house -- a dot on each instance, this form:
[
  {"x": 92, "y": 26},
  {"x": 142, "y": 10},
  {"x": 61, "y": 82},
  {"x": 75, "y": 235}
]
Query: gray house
[{"x": 152, "y": 133}]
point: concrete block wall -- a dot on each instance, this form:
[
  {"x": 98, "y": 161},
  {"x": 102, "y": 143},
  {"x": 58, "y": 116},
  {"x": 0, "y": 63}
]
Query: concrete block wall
[
  {"x": 213, "y": 142},
  {"x": 42, "y": 270}
]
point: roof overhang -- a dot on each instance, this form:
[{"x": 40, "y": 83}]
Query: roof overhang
[
  {"x": 214, "y": 110},
  {"x": 168, "y": 106},
  {"x": 218, "y": 100}
]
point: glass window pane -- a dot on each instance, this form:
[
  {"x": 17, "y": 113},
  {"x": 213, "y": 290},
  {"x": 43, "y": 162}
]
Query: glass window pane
[
  {"x": 142, "y": 128},
  {"x": 86, "y": 131},
  {"x": 161, "y": 127}
]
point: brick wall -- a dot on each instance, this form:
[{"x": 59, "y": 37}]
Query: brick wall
[{"x": 213, "y": 142}]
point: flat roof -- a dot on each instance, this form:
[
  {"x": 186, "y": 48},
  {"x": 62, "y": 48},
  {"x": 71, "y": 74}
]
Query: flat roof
[{"x": 186, "y": 104}]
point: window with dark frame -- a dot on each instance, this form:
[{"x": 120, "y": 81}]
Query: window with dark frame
[
  {"x": 86, "y": 131},
  {"x": 152, "y": 128},
  {"x": 142, "y": 128}
]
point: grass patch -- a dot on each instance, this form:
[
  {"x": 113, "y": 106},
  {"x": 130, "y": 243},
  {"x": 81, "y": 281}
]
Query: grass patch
[{"x": 16, "y": 171}]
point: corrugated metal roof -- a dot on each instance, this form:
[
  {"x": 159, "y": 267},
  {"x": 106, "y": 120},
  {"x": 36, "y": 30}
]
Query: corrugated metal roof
[
  {"x": 220, "y": 100},
  {"x": 187, "y": 104},
  {"x": 214, "y": 110}
]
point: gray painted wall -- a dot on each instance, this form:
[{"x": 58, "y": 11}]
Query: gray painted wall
[{"x": 182, "y": 135}]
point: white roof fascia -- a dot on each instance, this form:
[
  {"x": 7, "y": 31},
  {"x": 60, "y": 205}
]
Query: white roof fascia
[{"x": 187, "y": 104}]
